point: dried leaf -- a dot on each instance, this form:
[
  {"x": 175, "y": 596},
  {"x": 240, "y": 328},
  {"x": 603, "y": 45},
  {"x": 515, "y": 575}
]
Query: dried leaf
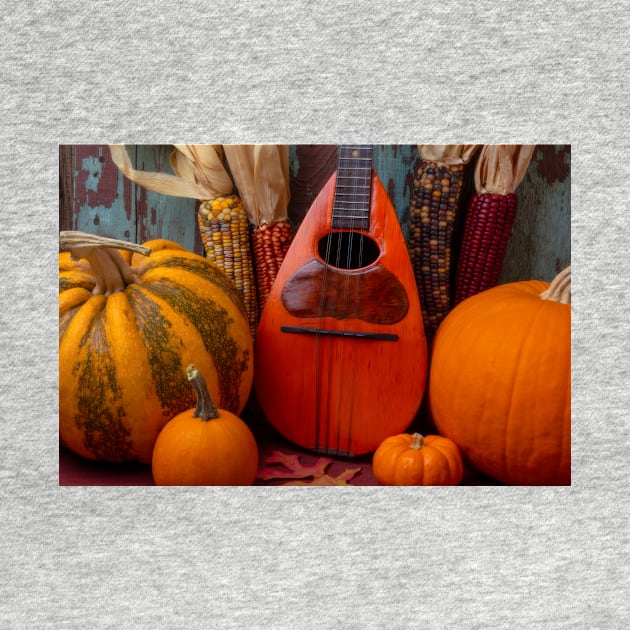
[
  {"x": 294, "y": 469},
  {"x": 326, "y": 480}
]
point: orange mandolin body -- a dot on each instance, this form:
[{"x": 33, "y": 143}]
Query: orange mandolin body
[{"x": 341, "y": 355}]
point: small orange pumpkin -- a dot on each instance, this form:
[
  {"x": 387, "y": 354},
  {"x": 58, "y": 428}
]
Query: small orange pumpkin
[
  {"x": 205, "y": 446},
  {"x": 500, "y": 382},
  {"x": 414, "y": 460}
]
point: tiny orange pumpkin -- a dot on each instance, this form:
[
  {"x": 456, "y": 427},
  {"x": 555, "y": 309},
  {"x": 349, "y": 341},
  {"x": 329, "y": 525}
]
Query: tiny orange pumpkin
[
  {"x": 416, "y": 460},
  {"x": 205, "y": 446}
]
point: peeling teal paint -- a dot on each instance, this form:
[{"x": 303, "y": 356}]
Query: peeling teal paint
[{"x": 94, "y": 168}]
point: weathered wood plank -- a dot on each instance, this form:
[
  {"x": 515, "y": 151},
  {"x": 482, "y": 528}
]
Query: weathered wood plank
[
  {"x": 540, "y": 242},
  {"x": 393, "y": 163},
  {"x": 103, "y": 200},
  {"x": 163, "y": 216},
  {"x": 66, "y": 186}
]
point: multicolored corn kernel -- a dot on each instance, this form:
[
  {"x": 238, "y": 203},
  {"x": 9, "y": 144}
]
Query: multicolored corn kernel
[
  {"x": 224, "y": 229},
  {"x": 487, "y": 229},
  {"x": 270, "y": 243}
]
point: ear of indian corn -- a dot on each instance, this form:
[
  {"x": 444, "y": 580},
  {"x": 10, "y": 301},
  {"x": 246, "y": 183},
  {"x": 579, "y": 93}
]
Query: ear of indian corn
[
  {"x": 224, "y": 229},
  {"x": 437, "y": 185},
  {"x": 490, "y": 216},
  {"x": 270, "y": 243},
  {"x": 486, "y": 232},
  {"x": 436, "y": 190}
]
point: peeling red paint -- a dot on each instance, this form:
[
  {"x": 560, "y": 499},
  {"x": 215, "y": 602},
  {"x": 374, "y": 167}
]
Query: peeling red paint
[
  {"x": 105, "y": 191},
  {"x": 127, "y": 198},
  {"x": 141, "y": 214},
  {"x": 555, "y": 165},
  {"x": 80, "y": 177},
  {"x": 97, "y": 186}
]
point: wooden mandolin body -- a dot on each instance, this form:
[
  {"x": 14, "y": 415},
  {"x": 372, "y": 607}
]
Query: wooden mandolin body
[{"x": 341, "y": 355}]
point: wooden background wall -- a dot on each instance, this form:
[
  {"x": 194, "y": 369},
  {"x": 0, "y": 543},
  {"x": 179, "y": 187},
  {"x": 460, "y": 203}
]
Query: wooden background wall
[{"x": 96, "y": 198}]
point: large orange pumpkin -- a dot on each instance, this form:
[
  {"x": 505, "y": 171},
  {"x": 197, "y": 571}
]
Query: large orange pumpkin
[
  {"x": 128, "y": 326},
  {"x": 500, "y": 381}
]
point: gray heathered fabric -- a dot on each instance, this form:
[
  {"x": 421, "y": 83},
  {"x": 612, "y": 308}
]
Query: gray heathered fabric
[{"x": 302, "y": 72}]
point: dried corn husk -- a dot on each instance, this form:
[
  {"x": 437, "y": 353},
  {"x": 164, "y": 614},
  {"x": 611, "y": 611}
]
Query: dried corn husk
[
  {"x": 198, "y": 170},
  {"x": 501, "y": 167},
  {"x": 447, "y": 153},
  {"x": 261, "y": 174}
]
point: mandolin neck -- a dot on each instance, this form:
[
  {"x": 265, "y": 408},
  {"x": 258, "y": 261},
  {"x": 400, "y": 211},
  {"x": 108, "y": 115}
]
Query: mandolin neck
[{"x": 351, "y": 206}]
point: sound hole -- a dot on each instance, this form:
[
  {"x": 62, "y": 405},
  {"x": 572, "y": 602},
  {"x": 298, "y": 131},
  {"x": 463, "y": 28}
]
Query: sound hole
[{"x": 348, "y": 250}]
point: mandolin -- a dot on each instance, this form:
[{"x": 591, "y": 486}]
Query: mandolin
[{"x": 341, "y": 355}]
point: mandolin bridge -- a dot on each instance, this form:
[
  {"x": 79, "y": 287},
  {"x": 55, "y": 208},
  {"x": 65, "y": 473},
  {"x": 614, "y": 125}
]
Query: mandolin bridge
[{"x": 339, "y": 333}]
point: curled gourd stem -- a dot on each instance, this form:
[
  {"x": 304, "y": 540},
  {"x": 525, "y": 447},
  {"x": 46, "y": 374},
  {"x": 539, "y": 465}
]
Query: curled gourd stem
[
  {"x": 70, "y": 240},
  {"x": 418, "y": 441},
  {"x": 205, "y": 409},
  {"x": 111, "y": 271},
  {"x": 560, "y": 288}
]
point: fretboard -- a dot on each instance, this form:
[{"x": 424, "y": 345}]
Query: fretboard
[{"x": 351, "y": 207}]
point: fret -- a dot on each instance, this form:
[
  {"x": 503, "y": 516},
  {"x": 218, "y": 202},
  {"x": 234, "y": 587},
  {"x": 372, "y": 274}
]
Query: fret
[
  {"x": 347, "y": 217},
  {"x": 352, "y": 215},
  {"x": 351, "y": 205}
]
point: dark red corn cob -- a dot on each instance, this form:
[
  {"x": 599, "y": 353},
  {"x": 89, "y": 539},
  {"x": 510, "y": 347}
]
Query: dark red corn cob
[
  {"x": 486, "y": 232},
  {"x": 433, "y": 209},
  {"x": 270, "y": 243}
]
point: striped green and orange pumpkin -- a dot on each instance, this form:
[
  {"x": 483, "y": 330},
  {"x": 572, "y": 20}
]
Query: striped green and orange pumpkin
[{"x": 129, "y": 324}]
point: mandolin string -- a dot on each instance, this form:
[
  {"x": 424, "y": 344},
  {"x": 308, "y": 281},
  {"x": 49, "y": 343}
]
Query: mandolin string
[
  {"x": 357, "y": 173},
  {"x": 345, "y": 154},
  {"x": 362, "y": 203},
  {"x": 318, "y": 340},
  {"x": 363, "y": 200},
  {"x": 349, "y": 203}
]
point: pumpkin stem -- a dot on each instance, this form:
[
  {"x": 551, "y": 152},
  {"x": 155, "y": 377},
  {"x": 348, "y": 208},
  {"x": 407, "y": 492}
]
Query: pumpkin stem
[
  {"x": 418, "y": 441},
  {"x": 560, "y": 288},
  {"x": 205, "y": 409},
  {"x": 111, "y": 271}
]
